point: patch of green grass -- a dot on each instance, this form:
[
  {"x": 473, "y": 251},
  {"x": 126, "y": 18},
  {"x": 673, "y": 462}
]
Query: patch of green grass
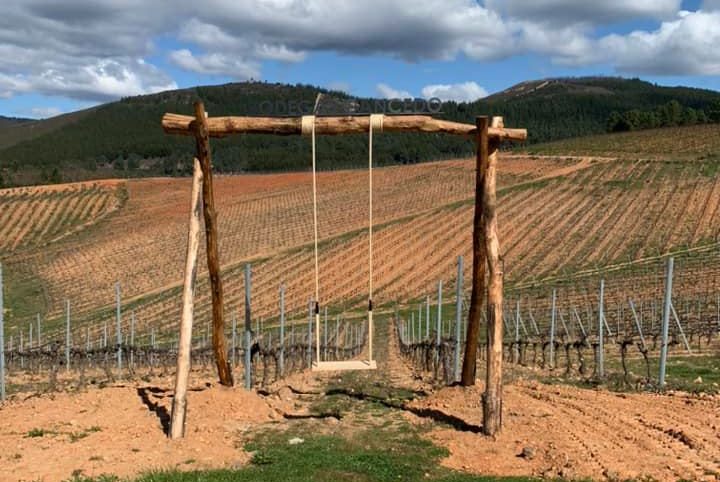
[
  {"x": 525, "y": 186},
  {"x": 694, "y": 374},
  {"x": 37, "y": 432},
  {"x": 624, "y": 184},
  {"x": 75, "y": 436},
  {"x": 24, "y": 295},
  {"x": 79, "y": 477},
  {"x": 365, "y": 456}
]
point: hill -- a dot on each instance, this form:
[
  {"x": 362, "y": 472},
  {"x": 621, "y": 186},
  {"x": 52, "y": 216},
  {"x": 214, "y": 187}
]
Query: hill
[
  {"x": 687, "y": 143},
  {"x": 554, "y": 109},
  {"x": 14, "y": 131},
  {"x": 12, "y": 121},
  {"x": 124, "y": 138}
]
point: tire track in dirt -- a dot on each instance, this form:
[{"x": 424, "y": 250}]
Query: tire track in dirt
[
  {"x": 667, "y": 436},
  {"x": 605, "y": 425}
]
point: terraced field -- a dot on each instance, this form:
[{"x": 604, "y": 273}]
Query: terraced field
[
  {"x": 558, "y": 216},
  {"x": 689, "y": 142},
  {"x": 36, "y": 216}
]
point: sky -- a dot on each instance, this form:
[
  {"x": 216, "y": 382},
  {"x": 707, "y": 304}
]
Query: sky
[{"x": 61, "y": 56}]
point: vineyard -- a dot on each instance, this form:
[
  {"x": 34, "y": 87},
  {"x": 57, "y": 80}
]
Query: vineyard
[
  {"x": 560, "y": 217},
  {"x": 33, "y": 217},
  {"x": 686, "y": 143},
  {"x": 94, "y": 296}
]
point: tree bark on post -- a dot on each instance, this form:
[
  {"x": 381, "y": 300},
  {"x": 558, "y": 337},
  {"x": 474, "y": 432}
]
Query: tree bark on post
[
  {"x": 492, "y": 398},
  {"x": 202, "y": 139},
  {"x": 478, "y": 261},
  {"x": 179, "y": 406}
]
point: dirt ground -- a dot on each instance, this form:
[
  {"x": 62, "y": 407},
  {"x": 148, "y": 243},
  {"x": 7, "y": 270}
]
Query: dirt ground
[
  {"x": 564, "y": 431},
  {"x": 119, "y": 430},
  {"x": 579, "y": 433},
  {"x": 549, "y": 430}
]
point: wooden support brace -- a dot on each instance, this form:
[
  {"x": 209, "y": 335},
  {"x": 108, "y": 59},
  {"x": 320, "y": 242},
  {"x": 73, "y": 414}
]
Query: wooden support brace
[
  {"x": 202, "y": 139},
  {"x": 478, "y": 260},
  {"x": 179, "y": 406}
]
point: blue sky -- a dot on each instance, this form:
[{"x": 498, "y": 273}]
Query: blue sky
[{"x": 62, "y": 56}]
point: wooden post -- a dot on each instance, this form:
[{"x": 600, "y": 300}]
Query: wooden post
[
  {"x": 202, "y": 141},
  {"x": 179, "y": 406},
  {"x": 478, "y": 261},
  {"x": 492, "y": 398},
  {"x": 2, "y": 340}
]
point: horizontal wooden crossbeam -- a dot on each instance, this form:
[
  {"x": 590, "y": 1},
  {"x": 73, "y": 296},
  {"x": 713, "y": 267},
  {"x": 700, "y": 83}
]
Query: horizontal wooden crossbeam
[{"x": 285, "y": 126}]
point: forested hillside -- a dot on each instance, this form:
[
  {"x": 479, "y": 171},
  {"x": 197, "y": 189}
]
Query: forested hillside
[{"x": 124, "y": 138}]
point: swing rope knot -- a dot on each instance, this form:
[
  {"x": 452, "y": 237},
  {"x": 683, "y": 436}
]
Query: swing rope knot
[
  {"x": 307, "y": 124},
  {"x": 376, "y": 122}
]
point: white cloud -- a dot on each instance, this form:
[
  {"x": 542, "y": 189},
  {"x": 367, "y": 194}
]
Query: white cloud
[
  {"x": 45, "y": 112},
  {"x": 586, "y": 12},
  {"x": 464, "y": 92},
  {"x": 99, "y": 50},
  {"x": 686, "y": 45},
  {"x": 387, "y": 92},
  {"x": 215, "y": 64},
  {"x": 84, "y": 50}
]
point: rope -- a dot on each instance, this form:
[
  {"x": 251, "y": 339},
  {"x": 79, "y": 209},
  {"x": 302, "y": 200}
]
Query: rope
[
  {"x": 376, "y": 123},
  {"x": 308, "y": 127}
]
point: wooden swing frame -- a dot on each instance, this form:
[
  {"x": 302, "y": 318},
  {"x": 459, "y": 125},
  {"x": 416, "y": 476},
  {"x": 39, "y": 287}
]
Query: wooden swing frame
[{"x": 484, "y": 236}]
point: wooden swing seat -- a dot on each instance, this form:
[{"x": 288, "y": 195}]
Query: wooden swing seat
[{"x": 332, "y": 366}]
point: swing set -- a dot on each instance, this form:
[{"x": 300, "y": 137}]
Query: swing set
[{"x": 203, "y": 128}]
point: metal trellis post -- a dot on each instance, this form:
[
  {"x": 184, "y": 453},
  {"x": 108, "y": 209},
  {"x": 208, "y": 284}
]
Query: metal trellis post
[
  {"x": 458, "y": 315},
  {"x": 248, "y": 329},
  {"x": 601, "y": 319},
  {"x": 666, "y": 319},
  {"x": 118, "y": 329},
  {"x": 552, "y": 330},
  {"x": 281, "y": 357}
]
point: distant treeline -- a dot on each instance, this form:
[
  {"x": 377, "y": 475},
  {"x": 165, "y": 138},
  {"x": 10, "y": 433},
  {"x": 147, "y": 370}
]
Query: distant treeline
[
  {"x": 125, "y": 138},
  {"x": 671, "y": 114}
]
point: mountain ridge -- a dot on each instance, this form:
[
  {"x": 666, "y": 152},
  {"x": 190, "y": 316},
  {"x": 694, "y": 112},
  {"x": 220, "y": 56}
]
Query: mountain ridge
[{"x": 124, "y": 138}]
